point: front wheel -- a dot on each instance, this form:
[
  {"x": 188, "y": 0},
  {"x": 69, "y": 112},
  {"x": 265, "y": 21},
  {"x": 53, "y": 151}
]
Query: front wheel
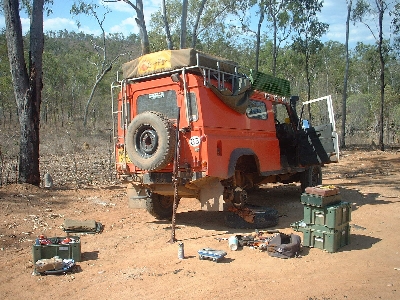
[
  {"x": 160, "y": 206},
  {"x": 312, "y": 176}
]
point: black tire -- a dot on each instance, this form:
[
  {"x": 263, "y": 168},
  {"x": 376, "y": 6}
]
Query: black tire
[
  {"x": 312, "y": 176},
  {"x": 160, "y": 206},
  {"x": 264, "y": 217},
  {"x": 150, "y": 141}
]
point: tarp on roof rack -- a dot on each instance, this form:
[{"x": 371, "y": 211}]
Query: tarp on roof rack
[
  {"x": 237, "y": 100},
  {"x": 169, "y": 60},
  {"x": 270, "y": 84}
]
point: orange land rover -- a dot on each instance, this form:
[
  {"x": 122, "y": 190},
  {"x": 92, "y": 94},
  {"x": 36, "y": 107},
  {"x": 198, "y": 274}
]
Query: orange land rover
[{"x": 189, "y": 124}]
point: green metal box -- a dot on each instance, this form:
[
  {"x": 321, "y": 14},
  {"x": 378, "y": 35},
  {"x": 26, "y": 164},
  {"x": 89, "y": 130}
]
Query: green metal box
[
  {"x": 329, "y": 241},
  {"x": 64, "y": 251},
  {"x": 332, "y": 217},
  {"x": 319, "y": 201},
  {"x": 301, "y": 226}
]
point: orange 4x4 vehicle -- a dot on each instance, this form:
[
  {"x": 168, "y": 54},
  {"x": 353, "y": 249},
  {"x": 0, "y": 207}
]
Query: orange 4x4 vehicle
[{"x": 187, "y": 124}]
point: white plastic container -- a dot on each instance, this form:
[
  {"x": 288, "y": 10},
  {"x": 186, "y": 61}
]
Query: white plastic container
[{"x": 233, "y": 242}]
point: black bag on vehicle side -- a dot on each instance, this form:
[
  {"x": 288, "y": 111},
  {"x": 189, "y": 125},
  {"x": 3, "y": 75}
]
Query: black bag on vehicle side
[{"x": 284, "y": 246}]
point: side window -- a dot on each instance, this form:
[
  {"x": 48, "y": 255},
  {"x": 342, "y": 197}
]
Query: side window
[
  {"x": 193, "y": 112},
  {"x": 163, "y": 102},
  {"x": 257, "y": 110},
  {"x": 281, "y": 114}
]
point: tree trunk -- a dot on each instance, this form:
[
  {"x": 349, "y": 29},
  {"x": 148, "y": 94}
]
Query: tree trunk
[
  {"x": 346, "y": 74},
  {"x": 168, "y": 38},
  {"x": 144, "y": 37},
  {"x": 275, "y": 32},
  {"x": 258, "y": 42},
  {"x": 184, "y": 24},
  {"x": 27, "y": 87},
  {"x": 98, "y": 80},
  {"x": 382, "y": 77},
  {"x": 307, "y": 69},
  {"x": 196, "y": 24},
  {"x": 142, "y": 26}
]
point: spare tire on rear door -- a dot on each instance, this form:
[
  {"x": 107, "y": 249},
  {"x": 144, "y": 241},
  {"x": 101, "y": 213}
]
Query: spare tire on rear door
[{"x": 150, "y": 141}]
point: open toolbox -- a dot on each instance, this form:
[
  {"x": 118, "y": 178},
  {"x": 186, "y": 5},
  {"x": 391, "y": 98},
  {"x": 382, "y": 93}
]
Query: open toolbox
[{"x": 63, "y": 247}]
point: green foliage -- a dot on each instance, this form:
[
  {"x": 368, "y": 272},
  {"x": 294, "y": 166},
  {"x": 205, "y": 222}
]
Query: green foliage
[
  {"x": 362, "y": 9},
  {"x": 362, "y": 111},
  {"x": 395, "y": 13},
  {"x": 214, "y": 19},
  {"x": 6, "y": 92},
  {"x": 70, "y": 58}
]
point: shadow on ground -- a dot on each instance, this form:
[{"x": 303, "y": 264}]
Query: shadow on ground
[{"x": 285, "y": 199}]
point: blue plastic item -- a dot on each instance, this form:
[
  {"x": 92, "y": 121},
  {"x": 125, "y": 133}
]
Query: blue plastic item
[{"x": 212, "y": 254}]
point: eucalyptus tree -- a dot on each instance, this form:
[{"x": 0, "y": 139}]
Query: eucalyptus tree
[
  {"x": 307, "y": 32},
  {"x": 396, "y": 24},
  {"x": 103, "y": 63},
  {"x": 168, "y": 38},
  {"x": 365, "y": 68},
  {"x": 346, "y": 75},
  {"x": 204, "y": 19},
  {"x": 138, "y": 7},
  {"x": 364, "y": 84},
  {"x": 6, "y": 90},
  {"x": 330, "y": 64},
  {"x": 27, "y": 82},
  {"x": 261, "y": 11},
  {"x": 273, "y": 19},
  {"x": 67, "y": 76},
  {"x": 197, "y": 22},
  {"x": 367, "y": 12},
  {"x": 184, "y": 24},
  {"x": 279, "y": 17}
]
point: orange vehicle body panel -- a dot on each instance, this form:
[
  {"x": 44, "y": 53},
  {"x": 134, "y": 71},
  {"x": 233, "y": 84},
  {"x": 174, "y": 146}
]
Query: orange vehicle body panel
[{"x": 220, "y": 129}]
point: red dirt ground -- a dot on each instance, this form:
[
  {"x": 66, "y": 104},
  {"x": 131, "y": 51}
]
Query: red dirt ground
[{"x": 132, "y": 259}]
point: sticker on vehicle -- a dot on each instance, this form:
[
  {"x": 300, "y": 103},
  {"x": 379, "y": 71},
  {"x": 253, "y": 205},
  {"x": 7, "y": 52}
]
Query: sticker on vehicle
[{"x": 195, "y": 141}]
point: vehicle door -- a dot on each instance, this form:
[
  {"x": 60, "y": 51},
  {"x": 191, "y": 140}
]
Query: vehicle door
[{"x": 318, "y": 139}]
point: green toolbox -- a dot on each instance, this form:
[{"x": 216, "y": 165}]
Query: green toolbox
[
  {"x": 329, "y": 241},
  {"x": 63, "y": 247},
  {"x": 332, "y": 217},
  {"x": 301, "y": 226},
  {"x": 326, "y": 222}
]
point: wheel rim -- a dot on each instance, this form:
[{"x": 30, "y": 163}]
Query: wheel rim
[
  {"x": 239, "y": 198},
  {"x": 146, "y": 141}
]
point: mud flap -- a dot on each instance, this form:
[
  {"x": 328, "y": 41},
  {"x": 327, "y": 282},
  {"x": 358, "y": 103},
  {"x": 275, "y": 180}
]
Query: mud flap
[{"x": 136, "y": 198}]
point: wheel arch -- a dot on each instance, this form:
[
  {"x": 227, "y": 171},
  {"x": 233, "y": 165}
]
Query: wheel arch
[{"x": 243, "y": 155}]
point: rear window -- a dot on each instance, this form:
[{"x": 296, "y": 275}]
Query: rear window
[{"x": 164, "y": 102}]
